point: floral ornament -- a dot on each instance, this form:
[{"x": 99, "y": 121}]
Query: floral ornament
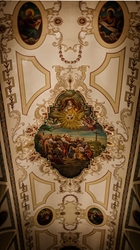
[
  {"x": 71, "y": 62},
  {"x": 106, "y": 155},
  {"x": 109, "y": 129},
  {"x": 31, "y": 130},
  {"x": 33, "y": 157},
  {"x": 45, "y": 167},
  {"x": 95, "y": 166},
  {"x": 58, "y": 21}
]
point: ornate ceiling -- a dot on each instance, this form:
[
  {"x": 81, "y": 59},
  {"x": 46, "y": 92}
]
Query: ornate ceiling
[{"x": 69, "y": 138}]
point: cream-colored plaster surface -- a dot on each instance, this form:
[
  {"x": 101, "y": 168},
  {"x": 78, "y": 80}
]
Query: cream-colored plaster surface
[{"x": 70, "y": 55}]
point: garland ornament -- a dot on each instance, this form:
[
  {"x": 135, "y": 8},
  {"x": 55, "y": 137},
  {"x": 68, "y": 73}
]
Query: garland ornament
[{"x": 67, "y": 61}]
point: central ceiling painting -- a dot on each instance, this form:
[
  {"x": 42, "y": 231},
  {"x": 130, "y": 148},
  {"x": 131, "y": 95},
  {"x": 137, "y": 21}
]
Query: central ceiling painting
[{"x": 71, "y": 135}]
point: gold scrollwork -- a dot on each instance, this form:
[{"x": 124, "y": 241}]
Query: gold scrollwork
[
  {"x": 89, "y": 238},
  {"x": 51, "y": 188},
  {"x": 118, "y": 59},
  {"x": 50, "y": 239},
  {"x": 24, "y": 78},
  {"x": 106, "y": 178}
]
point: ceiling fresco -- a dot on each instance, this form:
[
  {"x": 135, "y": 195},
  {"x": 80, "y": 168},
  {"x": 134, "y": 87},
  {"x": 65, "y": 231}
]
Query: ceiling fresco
[{"x": 69, "y": 131}]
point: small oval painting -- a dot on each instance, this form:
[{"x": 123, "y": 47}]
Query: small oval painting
[
  {"x": 95, "y": 216},
  {"x": 71, "y": 136},
  {"x": 111, "y": 22},
  {"x": 44, "y": 217},
  {"x": 29, "y": 23}
]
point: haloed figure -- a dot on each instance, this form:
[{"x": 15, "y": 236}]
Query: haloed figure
[
  {"x": 30, "y": 27},
  {"x": 110, "y": 19},
  {"x": 111, "y": 24},
  {"x": 69, "y": 114}
]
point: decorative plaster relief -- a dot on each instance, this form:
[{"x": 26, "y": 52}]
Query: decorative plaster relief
[
  {"x": 69, "y": 212},
  {"x": 47, "y": 187},
  {"x": 88, "y": 239},
  {"x": 26, "y": 159},
  {"x": 69, "y": 239},
  {"x": 107, "y": 81},
  {"x": 129, "y": 171},
  {"x": 102, "y": 184},
  {"x": 29, "y": 71},
  {"x": 132, "y": 81},
  {"x": 45, "y": 238},
  {"x": 8, "y": 79}
]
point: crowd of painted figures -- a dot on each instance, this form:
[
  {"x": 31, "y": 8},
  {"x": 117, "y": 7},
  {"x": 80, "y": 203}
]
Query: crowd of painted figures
[{"x": 58, "y": 148}]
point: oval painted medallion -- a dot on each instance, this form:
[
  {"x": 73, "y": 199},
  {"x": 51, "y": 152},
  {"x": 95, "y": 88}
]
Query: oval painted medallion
[
  {"x": 95, "y": 216},
  {"x": 110, "y": 22},
  {"x": 44, "y": 216},
  {"x": 29, "y": 23}
]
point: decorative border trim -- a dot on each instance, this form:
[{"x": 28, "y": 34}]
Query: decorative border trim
[
  {"x": 130, "y": 82},
  {"x": 107, "y": 178},
  {"x": 7, "y": 196},
  {"x": 136, "y": 177},
  {"x": 47, "y": 84},
  {"x": 121, "y": 56},
  {"x": 2, "y": 167},
  {"x": 102, "y": 231},
  {"x": 9, "y": 81},
  {"x": 33, "y": 177},
  {"x": 128, "y": 174},
  {"x": 132, "y": 197},
  {"x": 37, "y": 233},
  {"x": 26, "y": 214},
  {"x": 11, "y": 171}
]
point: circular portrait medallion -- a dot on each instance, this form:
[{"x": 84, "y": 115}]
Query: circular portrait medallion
[
  {"x": 95, "y": 216},
  {"x": 44, "y": 217}
]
